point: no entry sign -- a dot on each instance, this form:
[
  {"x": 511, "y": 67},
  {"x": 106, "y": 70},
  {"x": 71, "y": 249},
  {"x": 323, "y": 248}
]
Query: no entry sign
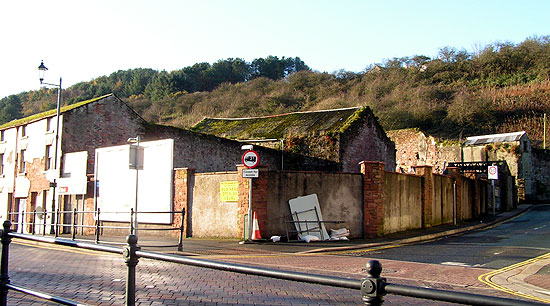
[{"x": 250, "y": 159}]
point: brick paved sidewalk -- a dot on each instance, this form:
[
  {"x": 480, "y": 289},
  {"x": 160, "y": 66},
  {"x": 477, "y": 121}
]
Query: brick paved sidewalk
[{"x": 98, "y": 279}]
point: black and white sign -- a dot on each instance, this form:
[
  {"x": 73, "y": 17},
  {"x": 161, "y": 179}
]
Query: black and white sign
[
  {"x": 251, "y": 173},
  {"x": 492, "y": 172},
  {"x": 250, "y": 159}
]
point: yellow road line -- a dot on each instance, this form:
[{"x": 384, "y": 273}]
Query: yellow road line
[{"x": 486, "y": 278}]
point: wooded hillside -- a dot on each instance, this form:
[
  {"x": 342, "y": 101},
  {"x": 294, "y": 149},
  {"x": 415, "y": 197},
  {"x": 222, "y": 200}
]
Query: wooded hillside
[{"x": 504, "y": 87}]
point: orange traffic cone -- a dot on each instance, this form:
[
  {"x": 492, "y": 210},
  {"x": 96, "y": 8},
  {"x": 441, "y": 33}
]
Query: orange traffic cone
[{"x": 255, "y": 229}]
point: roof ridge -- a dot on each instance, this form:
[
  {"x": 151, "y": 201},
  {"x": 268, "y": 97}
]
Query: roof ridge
[
  {"x": 496, "y": 135},
  {"x": 51, "y": 112},
  {"x": 286, "y": 114}
]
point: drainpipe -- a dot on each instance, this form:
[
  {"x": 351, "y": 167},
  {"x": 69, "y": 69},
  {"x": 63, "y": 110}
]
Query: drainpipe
[{"x": 282, "y": 154}]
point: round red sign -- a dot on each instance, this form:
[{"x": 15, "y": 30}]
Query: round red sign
[{"x": 250, "y": 159}]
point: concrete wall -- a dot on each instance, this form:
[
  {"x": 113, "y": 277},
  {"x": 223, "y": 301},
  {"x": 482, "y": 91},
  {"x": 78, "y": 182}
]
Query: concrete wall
[
  {"x": 402, "y": 202},
  {"x": 442, "y": 205},
  {"x": 340, "y": 198}
]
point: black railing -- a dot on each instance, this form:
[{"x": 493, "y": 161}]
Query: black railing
[
  {"x": 38, "y": 224},
  {"x": 372, "y": 288}
]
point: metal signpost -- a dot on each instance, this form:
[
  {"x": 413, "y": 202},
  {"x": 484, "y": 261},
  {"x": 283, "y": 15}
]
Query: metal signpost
[
  {"x": 250, "y": 160},
  {"x": 492, "y": 174}
]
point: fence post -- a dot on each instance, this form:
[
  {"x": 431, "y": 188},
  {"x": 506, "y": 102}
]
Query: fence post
[
  {"x": 131, "y": 259},
  {"x": 180, "y": 243},
  {"x": 45, "y": 221},
  {"x": 33, "y": 221},
  {"x": 372, "y": 287},
  {"x": 56, "y": 228},
  {"x": 4, "y": 277},
  {"x": 73, "y": 230},
  {"x": 131, "y": 220},
  {"x": 97, "y": 227}
]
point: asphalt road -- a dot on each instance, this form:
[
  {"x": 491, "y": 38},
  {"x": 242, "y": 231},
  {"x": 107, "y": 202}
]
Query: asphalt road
[{"x": 522, "y": 238}]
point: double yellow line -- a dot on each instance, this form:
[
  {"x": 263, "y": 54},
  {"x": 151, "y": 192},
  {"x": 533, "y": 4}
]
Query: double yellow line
[{"x": 486, "y": 278}]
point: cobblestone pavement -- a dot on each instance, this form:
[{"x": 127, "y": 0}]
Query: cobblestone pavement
[{"x": 99, "y": 279}]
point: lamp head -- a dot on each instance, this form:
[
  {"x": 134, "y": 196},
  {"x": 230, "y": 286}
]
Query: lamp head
[{"x": 41, "y": 71}]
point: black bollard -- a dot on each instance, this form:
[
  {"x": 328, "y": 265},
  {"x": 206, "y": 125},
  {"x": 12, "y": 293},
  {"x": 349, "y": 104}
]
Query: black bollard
[
  {"x": 131, "y": 259},
  {"x": 372, "y": 287},
  {"x": 4, "y": 277}
]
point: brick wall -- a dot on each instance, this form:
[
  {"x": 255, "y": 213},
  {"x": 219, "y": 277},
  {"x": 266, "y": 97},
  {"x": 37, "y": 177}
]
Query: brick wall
[
  {"x": 373, "y": 210},
  {"x": 103, "y": 123},
  {"x": 366, "y": 141}
]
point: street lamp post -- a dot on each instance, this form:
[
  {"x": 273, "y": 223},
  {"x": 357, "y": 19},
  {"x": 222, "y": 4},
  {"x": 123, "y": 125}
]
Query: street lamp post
[
  {"x": 136, "y": 164},
  {"x": 42, "y": 70}
]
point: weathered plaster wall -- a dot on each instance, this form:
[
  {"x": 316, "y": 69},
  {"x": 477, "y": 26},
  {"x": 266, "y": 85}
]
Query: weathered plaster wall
[{"x": 207, "y": 209}]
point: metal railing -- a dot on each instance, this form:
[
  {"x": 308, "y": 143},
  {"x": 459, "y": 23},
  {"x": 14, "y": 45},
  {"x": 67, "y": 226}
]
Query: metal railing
[
  {"x": 371, "y": 288},
  {"x": 38, "y": 224}
]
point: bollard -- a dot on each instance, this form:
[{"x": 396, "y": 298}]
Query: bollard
[
  {"x": 372, "y": 287},
  {"x": 131, "y": 259},
  {"x": 4, "y": 277}
]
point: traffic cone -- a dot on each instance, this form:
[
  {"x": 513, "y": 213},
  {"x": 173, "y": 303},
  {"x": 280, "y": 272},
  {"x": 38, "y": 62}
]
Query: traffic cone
[{"x": 255, "y": 229}]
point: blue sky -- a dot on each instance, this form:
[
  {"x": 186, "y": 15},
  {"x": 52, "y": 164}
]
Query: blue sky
[{"x": 81, "y": 40}]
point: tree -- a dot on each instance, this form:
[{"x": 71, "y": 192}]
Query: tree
[{"x": 10, "y": 109}]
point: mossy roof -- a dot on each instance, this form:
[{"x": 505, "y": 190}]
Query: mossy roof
[
  {"x": 49, "y": 113},
  {"x": 277, "y": 126}
]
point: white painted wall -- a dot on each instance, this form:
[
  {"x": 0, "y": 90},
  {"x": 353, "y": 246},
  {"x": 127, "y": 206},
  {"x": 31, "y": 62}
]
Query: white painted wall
[
  {"x": 34, "y": 142},
  {"x": 116, "y": 191}
]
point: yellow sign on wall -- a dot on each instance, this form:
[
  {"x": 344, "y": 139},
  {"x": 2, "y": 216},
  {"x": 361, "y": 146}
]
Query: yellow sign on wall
[{"x": 229, "y": 191}]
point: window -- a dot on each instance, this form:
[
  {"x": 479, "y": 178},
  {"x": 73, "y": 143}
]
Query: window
[
  {"x": 2, "y": 135},
  {"x": 23, "y": 130},
  {"x": 48, "y": 155},
  {"x": 22, "y": 162},
  {"x": 1, "y": 163},
  {"x": 48, "y": 124}
]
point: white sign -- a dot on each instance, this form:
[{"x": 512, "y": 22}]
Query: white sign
[
  {"x": 250, "y": 159},
  {"x": 492, "y": 172},
  {"x": 117, "y": 184},
  {"x": 251, "y": 173}
]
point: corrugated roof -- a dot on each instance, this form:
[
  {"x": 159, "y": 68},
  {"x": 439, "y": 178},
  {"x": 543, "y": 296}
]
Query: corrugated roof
[
  {"x": 299, "y": 123},
  {"x": 484, "y": 139},
  {"x": 49, "y": 113}
]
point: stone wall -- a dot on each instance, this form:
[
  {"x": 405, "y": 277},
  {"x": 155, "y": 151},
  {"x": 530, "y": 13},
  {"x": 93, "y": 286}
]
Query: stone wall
[{"x": 414, "y": 148}]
